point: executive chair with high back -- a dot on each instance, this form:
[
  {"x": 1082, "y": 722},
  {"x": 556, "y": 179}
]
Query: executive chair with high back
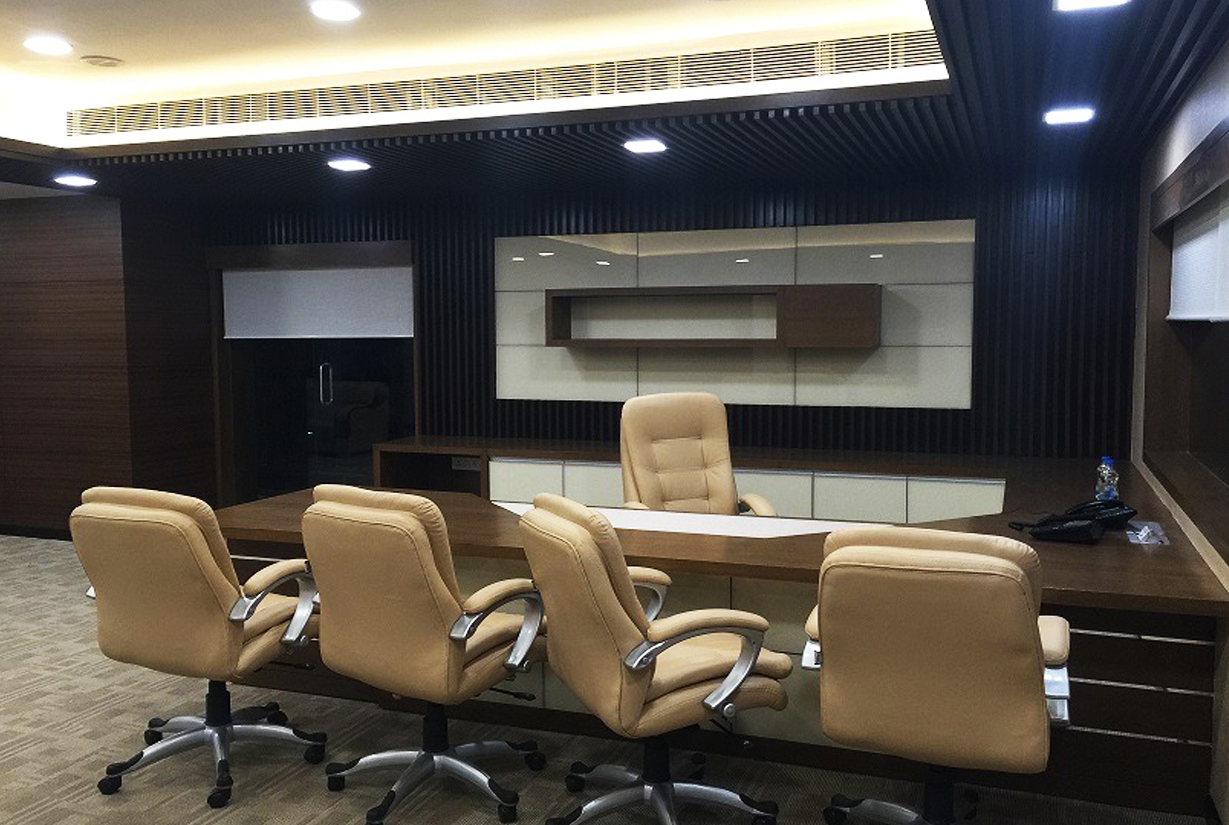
[
  {"x": 643, "y": 678},
  {"x": 930, "y": 647},
  {"x": 675, "y": 452},
  {"x": 168, "y": 599},
  {"x": 393, "y": 617}
]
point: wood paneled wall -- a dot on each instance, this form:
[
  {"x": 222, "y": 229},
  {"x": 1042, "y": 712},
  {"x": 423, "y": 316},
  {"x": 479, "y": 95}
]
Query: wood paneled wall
[{"x": 1052, "y": 317}]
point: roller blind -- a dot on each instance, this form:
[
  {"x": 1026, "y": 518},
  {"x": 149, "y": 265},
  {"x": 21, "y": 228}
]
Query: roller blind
[
  {"x": 1199, "y": 288},
  {"x": 319, "y": 303}
]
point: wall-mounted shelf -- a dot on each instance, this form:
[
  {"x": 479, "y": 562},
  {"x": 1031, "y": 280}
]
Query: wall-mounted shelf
[{"x": 836, "y": 316}]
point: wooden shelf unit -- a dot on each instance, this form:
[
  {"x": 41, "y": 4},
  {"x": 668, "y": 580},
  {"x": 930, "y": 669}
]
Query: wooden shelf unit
[{"x": 830, "y": 316}]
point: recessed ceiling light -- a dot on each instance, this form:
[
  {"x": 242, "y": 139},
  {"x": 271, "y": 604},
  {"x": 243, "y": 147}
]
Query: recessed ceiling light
[
  {"x": 1081, "y": 5},
  {"x": 1059, "y": 117},
  {"x": 518, "y": 257},
  {"x": 545, "y": 254},
  {"x": 349, "y": 165},
  {"x": 645, "y": 146},
  {"x": 602, "y": 263},
  {"x": 74, "y": 179},
  {"x": 336, "y": 11},
  {"x": 48, "y": 44},
  {"x": 742, "y": 260},
  {"x": 876, "y": 256}
]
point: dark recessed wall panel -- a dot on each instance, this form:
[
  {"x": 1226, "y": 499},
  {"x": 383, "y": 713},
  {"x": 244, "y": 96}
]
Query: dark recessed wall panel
[{"x": 1052, "y": 317}]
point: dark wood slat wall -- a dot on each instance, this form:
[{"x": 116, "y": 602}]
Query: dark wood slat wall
[{"x": 1053, "y": 305}]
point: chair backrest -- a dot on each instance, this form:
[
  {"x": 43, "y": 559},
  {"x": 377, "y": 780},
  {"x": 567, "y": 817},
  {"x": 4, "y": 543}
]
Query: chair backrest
[
  {"x": 675, "y": 451},
  {"x": 933, "y": 654},
  {"x": 163, "y": 580},
  {"x": 594, "y": 619},
  {"x": 388, "y": 591}
]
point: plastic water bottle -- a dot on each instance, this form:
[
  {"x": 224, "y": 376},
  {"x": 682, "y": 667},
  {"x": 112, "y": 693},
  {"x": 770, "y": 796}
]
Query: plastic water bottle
[{"x": 1107, "y": 480}]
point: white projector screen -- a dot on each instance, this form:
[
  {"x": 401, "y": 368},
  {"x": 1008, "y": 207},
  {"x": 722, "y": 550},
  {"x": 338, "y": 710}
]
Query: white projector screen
[{"x": 319, "y": 303}]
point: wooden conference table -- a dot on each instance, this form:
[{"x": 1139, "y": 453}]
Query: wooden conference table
[{"x": 1143, "y": 646}]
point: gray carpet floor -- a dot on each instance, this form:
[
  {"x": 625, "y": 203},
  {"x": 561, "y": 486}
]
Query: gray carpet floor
[{"x": 66, "y": 711}]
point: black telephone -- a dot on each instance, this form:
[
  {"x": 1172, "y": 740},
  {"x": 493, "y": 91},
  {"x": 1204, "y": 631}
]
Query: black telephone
[{"x": 1082, "y": 524}]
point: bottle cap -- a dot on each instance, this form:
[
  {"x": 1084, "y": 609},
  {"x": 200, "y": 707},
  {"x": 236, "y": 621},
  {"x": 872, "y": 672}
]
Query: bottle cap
[{"x": 1107, "y": 461}]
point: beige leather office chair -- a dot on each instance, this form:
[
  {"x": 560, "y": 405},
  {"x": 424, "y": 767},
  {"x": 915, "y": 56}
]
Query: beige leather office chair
[
  {"x": 675, "y": 451},
  {"x": 930, "y": 647},
  {"x": 392, "y": 616},
  {"x": 168, "y": 599},
  {"x": 644, "y": 679}
]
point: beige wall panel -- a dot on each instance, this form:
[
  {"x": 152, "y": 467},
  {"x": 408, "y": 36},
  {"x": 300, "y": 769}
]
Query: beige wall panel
[
  {"x": 789, "y": 492},
  {"x": 785, "y": 605},
  {"x": 933, "y": 377},
  {"x": 597, "y": 484},
  {"x": 520, "y": 318},
  {"x": 717, "y": 257},
  {"x": 918, "y": 263},
  {"x": 695, "y": 591},
  {"x": 931, "y": 315},
  {"x": 737, "y": 376},
  {"x": 571, "y": 264},
  {"x": 562, "y": 374},
  {"x": 934, "y": 499},
  {"x": 692, "y": 316},
  {"x": 860, "y": 498},
  {"x": 518, "y": 479},
  {"x": 799, "y": 722},
  {"x": 474, "y": 573}
]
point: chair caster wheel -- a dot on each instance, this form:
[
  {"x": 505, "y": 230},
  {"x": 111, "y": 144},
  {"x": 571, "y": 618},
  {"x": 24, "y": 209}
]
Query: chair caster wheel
[
  {"x": 156, "y": 722},
  {"x": 153, "y": 737},
  {"x": 109, "y": 784},
  {"x": 314, "y": 754},
  {"x": 337, "y": 783},
  {"x": 835, "y": 816},
  {"x": 574, "y": 783},
  {"x": 507, "y": 813},
  {"x": 535, "y": 760},
  {"x": 842, "y": 801},
  {"x": 218, "y": 797},
  {"x": 278, "y": 717}
]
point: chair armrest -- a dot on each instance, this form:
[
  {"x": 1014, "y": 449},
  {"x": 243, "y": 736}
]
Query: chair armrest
[
  {"x": 757, "y": 504},
  {"x": 656, "y": 582},
  {"x": 487, "y": 600},
  {"x": 666, "y": 633},
  {"x": 812, "y": 658},
  {"x": 1055, "y": 639},
  {"x": 634, "y": 505},
  {"x": 265, "y": 581}
]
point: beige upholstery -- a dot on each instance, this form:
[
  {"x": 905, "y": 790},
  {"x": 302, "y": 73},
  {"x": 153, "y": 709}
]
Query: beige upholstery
[
  {"x": 389, "y": 593},
  {"x": 596, "y": 621},
  {"x": 165, "y": 586},
  {"x": 675, "y": 451},
  {"x": 953, "y": 617}
]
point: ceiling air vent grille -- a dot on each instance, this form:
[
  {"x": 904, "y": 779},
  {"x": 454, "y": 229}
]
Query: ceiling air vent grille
[{"x": 652, "y": 74}]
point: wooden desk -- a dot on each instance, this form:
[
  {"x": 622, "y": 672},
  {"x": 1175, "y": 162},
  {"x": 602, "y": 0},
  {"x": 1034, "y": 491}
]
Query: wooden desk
[{"x": 1144, "y": 621}]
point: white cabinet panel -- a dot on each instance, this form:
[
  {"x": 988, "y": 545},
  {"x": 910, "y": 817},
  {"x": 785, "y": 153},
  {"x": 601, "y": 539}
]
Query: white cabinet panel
[
  {"x": 935, "y": 499},
  {"x": 569, "y": 262},
  {"x": 931, "y": 315},
  {"x": 717, "y": 257},
  {"x": 786, "y": 606},
  {"x": 596, "y": 484},
  {"x": 860, "y": 498},
  {"x": 933, "y": 377},
  {"x": 520, "y": 479},
  {"x": 789, "y": 492},
  {"x": 737, "y": 376},
  {"x": 907, "y": 232},
  {"x": 520, "y": 318},
  {"x": 562, "y": 374},
  {"x": 916, "y": 263}
]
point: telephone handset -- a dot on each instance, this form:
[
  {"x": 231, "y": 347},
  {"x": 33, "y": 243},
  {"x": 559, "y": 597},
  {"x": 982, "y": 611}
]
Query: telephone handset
[{"x": 1082, "y": 524}]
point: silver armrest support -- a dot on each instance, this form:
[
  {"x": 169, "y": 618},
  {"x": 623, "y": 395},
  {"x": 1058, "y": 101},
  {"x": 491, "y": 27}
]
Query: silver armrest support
[
  {"x": 245, "y": 606},
  {"x": 645, "y": 653},
  {"x": 657, "y": 598},
  {"x": 812, "y": 656},
  {"x": 1058, "y": 696},
  {"x": 531, "y": 624}
]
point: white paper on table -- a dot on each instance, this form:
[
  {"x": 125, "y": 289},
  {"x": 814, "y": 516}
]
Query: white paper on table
[{"x": 705, "y": 524}]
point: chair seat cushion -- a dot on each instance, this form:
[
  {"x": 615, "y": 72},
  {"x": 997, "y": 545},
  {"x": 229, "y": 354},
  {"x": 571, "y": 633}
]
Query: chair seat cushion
[
  {"x": 708, "y": 657},
  {"x": 274, "y": 609},
  {"x": 496, "y": 630}
]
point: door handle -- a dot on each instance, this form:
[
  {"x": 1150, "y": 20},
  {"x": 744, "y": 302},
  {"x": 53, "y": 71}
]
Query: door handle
[{"x": 326, "y": 401}]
